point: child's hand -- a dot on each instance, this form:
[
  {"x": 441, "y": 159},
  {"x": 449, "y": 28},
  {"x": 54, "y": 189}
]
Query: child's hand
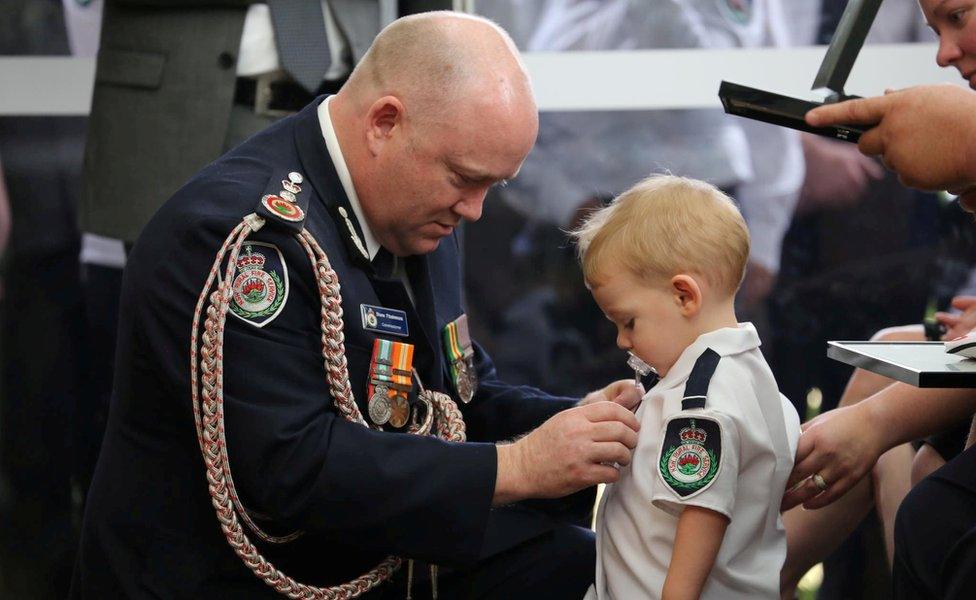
[{"x": 622, "y": 391}]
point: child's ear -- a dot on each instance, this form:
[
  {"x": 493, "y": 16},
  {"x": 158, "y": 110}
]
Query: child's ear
[{"x": 687, "y": 295}]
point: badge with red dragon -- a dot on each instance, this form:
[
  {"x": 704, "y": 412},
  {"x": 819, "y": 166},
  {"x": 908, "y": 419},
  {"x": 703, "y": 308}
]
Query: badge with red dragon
[{"x": 260, "y": 284}]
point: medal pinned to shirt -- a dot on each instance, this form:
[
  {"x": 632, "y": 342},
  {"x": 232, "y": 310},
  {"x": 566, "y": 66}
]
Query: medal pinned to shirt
[
  {"x": 460, "y": 357},
  {"x": 389, "y": 384}
]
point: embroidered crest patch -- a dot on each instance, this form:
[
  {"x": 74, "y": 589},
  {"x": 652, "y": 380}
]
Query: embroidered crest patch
[
  {"x": 260, "y": 284},
  {"x": 691, "y": 454},
  {"x": 737, "y": 11}
]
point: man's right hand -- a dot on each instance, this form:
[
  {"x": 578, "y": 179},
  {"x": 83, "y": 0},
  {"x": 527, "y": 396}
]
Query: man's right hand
[
  {"x": 926, "y": 134},
  {"x": 574, "y": 449}
]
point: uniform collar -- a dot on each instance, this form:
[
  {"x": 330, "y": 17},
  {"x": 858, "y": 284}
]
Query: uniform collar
[
  {"x": 725, "y": 342},
  {"x": 335, "y": 152}
]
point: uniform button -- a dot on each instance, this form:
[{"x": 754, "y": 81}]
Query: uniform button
[{"x": 226, "y": 60}]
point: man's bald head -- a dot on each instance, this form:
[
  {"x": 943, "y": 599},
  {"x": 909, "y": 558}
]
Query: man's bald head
[
  {"x": 434, "y": 61},
  {"x": 438, "y": 111}
]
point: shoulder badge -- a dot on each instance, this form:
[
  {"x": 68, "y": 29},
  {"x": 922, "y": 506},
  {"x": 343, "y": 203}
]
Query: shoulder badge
[
  {"x": 691, "y": 454},
  {"x": 260, "y": 285},
  {"x": 283, "y": 205}
]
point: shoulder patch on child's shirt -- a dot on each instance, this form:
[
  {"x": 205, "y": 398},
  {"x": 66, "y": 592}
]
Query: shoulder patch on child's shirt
[{"x": 691, "y": 454}]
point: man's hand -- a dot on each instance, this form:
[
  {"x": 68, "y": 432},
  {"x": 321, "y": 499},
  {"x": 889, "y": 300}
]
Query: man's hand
[
  {"x": 575, "y": 449},
  {"x": 961, "y": 324},
  {"x": 926, "y": 134},
  {"x": 841, "y": 445},
  {"x": 622, "y": 391}
]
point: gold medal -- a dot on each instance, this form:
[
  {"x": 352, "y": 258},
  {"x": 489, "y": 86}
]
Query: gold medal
[
  {"x": 380, "y": 410},
  {"x": 399, "y": 410}
]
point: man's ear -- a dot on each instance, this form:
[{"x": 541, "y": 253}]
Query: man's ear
[
  {"x": 687, "y": 294},
  {"x": 384, "y": 119}
]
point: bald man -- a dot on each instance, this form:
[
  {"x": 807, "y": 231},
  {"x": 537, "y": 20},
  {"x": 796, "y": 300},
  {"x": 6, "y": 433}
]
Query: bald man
[{"x": 310, "y": 494}]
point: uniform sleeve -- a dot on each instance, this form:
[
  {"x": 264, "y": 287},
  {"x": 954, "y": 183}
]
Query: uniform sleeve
[
  {"x": 501, "y": 411},
  {"x": 296, "y": 463},
  {"x": 698, "y": 463}
]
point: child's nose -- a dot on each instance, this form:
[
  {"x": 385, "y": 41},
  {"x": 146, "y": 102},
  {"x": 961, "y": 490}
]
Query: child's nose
[{"x": 623, "y": 341}]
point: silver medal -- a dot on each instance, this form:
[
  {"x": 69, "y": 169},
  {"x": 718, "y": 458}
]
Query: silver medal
[
  {"x": 467, "y": 382},
  {"x": 380, "y": 410}
]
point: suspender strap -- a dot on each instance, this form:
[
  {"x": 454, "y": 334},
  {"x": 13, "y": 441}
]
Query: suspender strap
[{"x": 696, "y": 389}]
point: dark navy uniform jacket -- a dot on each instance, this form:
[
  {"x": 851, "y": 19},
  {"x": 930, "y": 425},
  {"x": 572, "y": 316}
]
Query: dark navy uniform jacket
[{"x": 149, "y": 527}]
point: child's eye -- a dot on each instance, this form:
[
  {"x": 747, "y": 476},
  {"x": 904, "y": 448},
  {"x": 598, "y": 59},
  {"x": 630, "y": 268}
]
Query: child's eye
[
  {"x": 629, "y": 325},
  {"x": 956, "y": 16}
]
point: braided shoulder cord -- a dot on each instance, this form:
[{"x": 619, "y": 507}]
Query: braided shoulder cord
[{"x": 208, "y": 400}]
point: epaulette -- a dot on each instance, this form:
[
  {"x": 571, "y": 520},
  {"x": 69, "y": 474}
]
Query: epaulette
[
  {"x": 696, "y": 390},
  {"x": 283, "y": 205}
]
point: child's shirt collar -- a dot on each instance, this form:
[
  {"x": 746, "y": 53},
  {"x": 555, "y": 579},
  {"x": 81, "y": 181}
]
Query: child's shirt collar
[{"x": 725, "y": 341}]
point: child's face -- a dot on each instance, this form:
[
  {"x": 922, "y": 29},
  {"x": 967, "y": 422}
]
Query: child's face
[{"x": 648, "y": 319}]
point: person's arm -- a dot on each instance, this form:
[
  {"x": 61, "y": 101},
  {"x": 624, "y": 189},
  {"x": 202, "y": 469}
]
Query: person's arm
[
  {"x": 696, "y": 544},
  {"x": 926, "y": 134},
  {"x": 842, "y": 445}
]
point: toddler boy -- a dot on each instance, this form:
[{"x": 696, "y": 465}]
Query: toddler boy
[{"x": 696, "y": 513}]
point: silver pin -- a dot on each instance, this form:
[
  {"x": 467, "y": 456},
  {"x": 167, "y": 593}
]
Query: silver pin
[
  {"x": 296, "y": 178},
  {"x": 294, "y": 188},
  {"x": 287, "y": 196},
  {"x": 352, "y": 231}
]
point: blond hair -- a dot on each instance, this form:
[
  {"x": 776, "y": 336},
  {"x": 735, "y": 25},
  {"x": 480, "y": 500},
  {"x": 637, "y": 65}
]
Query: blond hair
[{"x": 663, "y": 226}]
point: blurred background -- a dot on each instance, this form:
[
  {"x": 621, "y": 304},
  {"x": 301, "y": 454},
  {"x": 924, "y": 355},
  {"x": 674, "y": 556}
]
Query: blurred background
[{"x": 89, "y": 149}]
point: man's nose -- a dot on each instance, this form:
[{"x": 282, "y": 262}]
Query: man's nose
[
  {"x": 948, "y": 52},
  {"x": 470, "y": 205}
]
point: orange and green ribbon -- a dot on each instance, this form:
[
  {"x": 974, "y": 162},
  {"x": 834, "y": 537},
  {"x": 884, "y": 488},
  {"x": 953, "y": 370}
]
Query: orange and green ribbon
[{"x": 391, "y": 364}]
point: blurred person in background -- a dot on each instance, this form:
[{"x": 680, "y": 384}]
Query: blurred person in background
[
  {"x": 847, "y": 274},
  {"x": 42, "y": 317},
  {"x": 584, "y": 158}
]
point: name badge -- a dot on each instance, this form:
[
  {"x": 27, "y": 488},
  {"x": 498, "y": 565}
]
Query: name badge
[{"x": 384, "y": 320}]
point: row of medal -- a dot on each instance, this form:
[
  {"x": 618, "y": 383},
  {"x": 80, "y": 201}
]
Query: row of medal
[{"x": 391, "y": 371}]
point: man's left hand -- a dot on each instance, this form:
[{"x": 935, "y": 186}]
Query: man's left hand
[{"x": 622, "y": 391}]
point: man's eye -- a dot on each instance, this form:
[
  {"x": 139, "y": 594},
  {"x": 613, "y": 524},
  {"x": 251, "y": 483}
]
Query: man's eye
[
  {"x": 461, "y": 181},
  {"x": 629, "y": 325},
  {"x": 956, "y": 16}
]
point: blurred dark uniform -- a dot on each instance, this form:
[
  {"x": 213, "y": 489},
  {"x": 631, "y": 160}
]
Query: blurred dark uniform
[
  {"x": 42, "y": 323},
  {"x": 359, "y": 494},
  {"x": 935, "y": 534}
]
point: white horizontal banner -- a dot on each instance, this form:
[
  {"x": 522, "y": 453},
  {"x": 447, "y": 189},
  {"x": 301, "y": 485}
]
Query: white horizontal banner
[{"x": 631, "y": 80}]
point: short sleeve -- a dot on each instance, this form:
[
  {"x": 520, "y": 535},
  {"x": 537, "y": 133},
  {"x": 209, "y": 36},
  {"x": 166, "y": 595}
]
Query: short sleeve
[{"x": 698, "y": 463}]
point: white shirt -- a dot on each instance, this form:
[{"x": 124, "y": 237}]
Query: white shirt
[
  {"x": 332, "y": 144},
  {"x": 638, "y": 515}
]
